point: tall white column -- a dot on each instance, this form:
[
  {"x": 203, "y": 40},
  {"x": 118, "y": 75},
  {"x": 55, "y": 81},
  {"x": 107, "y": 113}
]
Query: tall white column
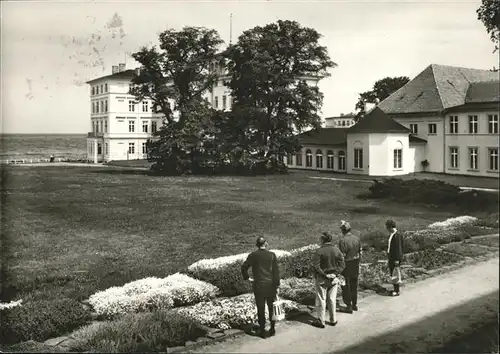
[{"x": 95, "y": 151}]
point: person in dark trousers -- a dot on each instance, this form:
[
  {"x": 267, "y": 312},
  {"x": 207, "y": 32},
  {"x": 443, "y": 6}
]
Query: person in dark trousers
[
  {"x": 266, "y": 281},
  {"x": 395, "y": 255},
  {"x": 350, "y": 246},
  {"x": 328, "y": 263}
]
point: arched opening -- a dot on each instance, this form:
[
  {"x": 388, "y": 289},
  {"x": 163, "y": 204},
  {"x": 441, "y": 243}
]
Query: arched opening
[
  {"x": 341, "y": 161},
  {"x": 309, "y": 158},
  {"x": 329, "y": 159},
  {"x": 319, "y": 159}
]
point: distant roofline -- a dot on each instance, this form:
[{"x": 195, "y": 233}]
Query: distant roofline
[{"x": 118, "y": 75}]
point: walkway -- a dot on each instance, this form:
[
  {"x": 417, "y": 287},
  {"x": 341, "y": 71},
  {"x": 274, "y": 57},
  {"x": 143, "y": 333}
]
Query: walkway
[{"x": 424, "y": 314}]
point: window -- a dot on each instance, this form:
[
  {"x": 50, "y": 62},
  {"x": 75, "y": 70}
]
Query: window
[
  {"x": 97, "y": 90},
  {"x": 493, "y": 124},
  {"x": 131, "y": 106},
  {"x": 398, "y": 158},
  {"x": 145, "y": 125},
  {"x": 97, "y": 107},
  {"x": 154, "y": 127},
  {"x": 102, "y": 86},
  {"x": 131, "y": 126},
  {"x": 493, "y": 159},
  {"x": 131, "y": 148},
  {"x": 432, "y": 128},
  {"x": 453, "y": 157},
  {"x": 93, "y": 107},
  {"x": 414, "y": 128},
  {"x": 105, "y": 105},
  {"x": 93, "y": 90},
  {"x": 309, "y": 158},
  {"x": 102, "y": 126},
  {"x": 105, "y": 126},
  {"x": 298, "y": 159},
  {"x": 341, "y": 160},
  {"x": 319, "y": 159},
  {"x": 289, "y": 159},
  {"x": 472, "y": 124},
  {"x": 224, "y": 102},
  {"x": 99, "y": 149},
  {"x": 93, "y": 126},
  {"x": 145, "y": 106},
  {"x": 144, "y": 148},
  {"x": 473, "y": 165},
  {"x": 216, "y": 102},
  {"x": 358, "y": 158},
  {"x": 329, "y": 159},
  {"x": 105, "y": 87},
  {"x": 453, "y": 124},
  {"x": 102, "y": 107},
  {"x": 130, "y": 88},
  {"x": 106, "y": 149}
]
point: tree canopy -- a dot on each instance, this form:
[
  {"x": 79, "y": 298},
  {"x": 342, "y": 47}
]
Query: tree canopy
[
  {"x": 489, "y": 14},
  {"x": 380, "y": 91}
]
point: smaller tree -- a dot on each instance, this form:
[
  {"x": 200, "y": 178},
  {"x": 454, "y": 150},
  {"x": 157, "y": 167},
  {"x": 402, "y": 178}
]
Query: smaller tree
[
  {"x": 381, "y": 90},
  {"x": 489, "y": 14}
]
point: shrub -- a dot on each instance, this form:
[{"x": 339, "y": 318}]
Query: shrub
[
  {"x": 372, "y": 256},
  {"x": 489, "y": 221},
  {"x": 453, "y": 222},
  {"x": 432, "y": 259},
  {"x": 373, "y": 275},
  {"x": 300, "y": 290},
  {"x": 225, "y": 272},
  {"x": 491, "y": 240},
  {"x": 29, "y": 347},
  {"x": 467, "y": 249},
  {"x": 144, "y": 332},
  {"x": 298, "y": 263},
  {"x": 225, "y": 313},
  {"x": 152, "y": 293},
  {"x": 40, "y": 320},
  {"x": 376, "y": 239}
]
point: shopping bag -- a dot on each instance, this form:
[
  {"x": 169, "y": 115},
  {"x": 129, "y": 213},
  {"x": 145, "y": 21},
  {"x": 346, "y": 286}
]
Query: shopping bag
[{"x": 278, "y": 309}]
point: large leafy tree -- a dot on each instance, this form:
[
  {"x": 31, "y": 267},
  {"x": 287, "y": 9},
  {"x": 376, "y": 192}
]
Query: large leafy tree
[
  {"x": 489, "y": 14},
  {"x": 380, "y": 91},
  {"x": 269, "y": 66},
  {"x": 174, "y": 76}
]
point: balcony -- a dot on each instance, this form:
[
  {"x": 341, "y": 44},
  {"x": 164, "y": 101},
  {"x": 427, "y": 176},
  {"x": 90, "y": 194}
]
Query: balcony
[{"x": 95, "y": 135}]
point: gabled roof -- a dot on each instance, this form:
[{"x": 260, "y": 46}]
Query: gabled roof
[
  {"x": 126, "y": 74},
  {"x": 483, "y": 92},
  {"x": 436, "y": 88},
  {"x": 324, "y": 136},
  {"x": 376, "y": 121}
]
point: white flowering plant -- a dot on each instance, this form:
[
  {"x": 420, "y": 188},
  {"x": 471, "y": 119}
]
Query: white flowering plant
[
  {"x": 454, "y": 222},
  {"x": 225, "y": 313},
  {"x": 225, "y": 272},
  {"x": 152, "y": 293},
  {"x": 9, "y": 305}
]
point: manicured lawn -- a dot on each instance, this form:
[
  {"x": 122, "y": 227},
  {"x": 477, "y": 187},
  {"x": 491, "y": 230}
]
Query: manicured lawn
[{"x": 70, "y": 231}]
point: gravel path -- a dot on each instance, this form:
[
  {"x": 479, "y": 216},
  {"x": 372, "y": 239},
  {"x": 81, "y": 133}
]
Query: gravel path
[{"x": 423, "y": 317}]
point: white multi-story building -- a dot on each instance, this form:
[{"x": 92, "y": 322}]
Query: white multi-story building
[
  {"x": 344, "y": 121},
  {"x": 120, "y": 126}
]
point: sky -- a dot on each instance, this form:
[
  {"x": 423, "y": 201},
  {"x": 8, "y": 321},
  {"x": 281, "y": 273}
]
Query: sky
[{"x": 50, "y": 49}]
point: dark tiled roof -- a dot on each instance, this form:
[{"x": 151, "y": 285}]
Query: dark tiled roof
[
  {"x": 376, "y": 121},
  {"x": 436, "y": 88},
  {"x": 482, "y": 92},
  {"x": 416, "y": 139},
  {"x": 127, "y": 74},
  {"x": 324, "y": 136}
]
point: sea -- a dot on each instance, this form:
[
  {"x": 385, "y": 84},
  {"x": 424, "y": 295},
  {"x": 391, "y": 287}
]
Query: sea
[{"x": 42, "y": 146}]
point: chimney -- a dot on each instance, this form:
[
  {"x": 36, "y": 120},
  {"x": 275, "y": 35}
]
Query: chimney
[
  {"x": 137, "y": 71},
  {"x": 114, "y": 69},
  {"x": 122, "y": 67}
]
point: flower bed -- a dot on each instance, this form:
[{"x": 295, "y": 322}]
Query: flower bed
[
  {"x": 144, "y": 332},
  {"x": 467, "y": 249},
  {"x": 298, "y": 263},
  {"x": 225, "y": 272},
  {"x": 371, "y": 276},
  {"x": 300, "y": 290},
  {"x": 432, "y": 259},
  {"x": 152, "y": 293},
  {"x": 225, "y": 313},
  {"x": 453, "y": 222},
  {"x": 490, "y": 240}
]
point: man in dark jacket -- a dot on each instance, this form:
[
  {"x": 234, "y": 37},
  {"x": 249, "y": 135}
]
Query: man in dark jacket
[
  {"x": 328, "y": 263},
  {"x": 266, "y": 281},
  {"x": 350, "y": 246},
  {"x": 394, "y": 254}
]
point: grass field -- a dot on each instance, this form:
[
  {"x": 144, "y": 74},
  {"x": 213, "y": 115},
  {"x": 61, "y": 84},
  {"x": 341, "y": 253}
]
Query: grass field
[{"x": 71, "y": 231}]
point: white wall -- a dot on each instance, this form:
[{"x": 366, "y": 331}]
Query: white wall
[
  {"x": 416, "y": 154},
  {"x": 358, "y": 141},
  {"x": 381, "y": 154},
  {"x": 434, "y": 150}
]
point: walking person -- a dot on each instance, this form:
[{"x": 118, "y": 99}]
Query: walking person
[
  {"x": 328, "y": 263},
  {"x": 350, "y": 246},
  {"x": 395, "y": 255},
  {"x": 266, "y": 281}
]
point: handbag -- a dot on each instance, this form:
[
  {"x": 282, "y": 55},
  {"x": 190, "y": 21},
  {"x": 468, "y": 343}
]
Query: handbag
[{"x": 278, "y": 309}]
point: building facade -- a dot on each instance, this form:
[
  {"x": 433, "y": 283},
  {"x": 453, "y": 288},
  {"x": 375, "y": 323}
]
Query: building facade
[{"x": 451, "y": 118}]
